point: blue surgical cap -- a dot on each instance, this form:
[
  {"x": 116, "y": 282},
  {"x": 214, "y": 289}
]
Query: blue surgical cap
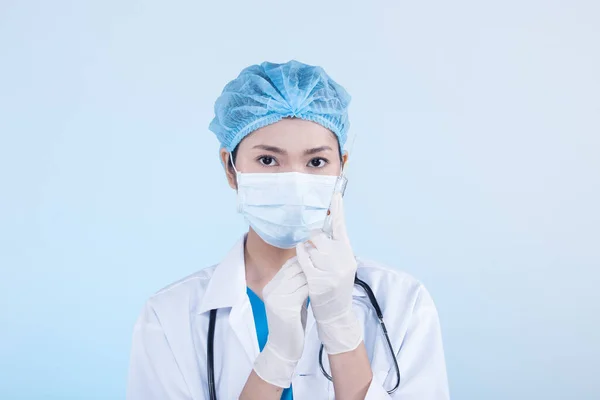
[{"x": 264, "y": 94}]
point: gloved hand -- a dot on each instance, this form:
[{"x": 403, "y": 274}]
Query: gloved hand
[
  {"x": 285, "y": 304},
  {"x": 330, "y": 266}
]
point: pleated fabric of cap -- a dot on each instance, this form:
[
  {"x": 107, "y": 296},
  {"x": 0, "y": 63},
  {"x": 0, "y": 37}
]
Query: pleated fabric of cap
[{"x": 264, "y": 94}]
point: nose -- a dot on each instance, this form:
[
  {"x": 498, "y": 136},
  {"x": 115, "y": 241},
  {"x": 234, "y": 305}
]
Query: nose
[{"x": 295, "y": 166}]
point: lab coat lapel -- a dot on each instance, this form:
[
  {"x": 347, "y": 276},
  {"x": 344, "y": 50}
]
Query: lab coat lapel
[
  {"x": 227, "y": 289},
  {"x": 241, "y": 348},
  {"x": 241, "y": 319},
  {"x": 242, "y": 325}
]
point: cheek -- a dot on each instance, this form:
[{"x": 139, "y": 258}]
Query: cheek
[
  {"x": 336, "y": 167},
  {"x": 329, "y": 169}
]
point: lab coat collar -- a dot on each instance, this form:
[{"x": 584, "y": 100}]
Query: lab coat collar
[{"x": 227, "y": 286}]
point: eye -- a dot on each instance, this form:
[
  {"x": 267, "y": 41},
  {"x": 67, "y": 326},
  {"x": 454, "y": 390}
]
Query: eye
[
  {"x": 267, "y": 161},
  {"x": 317, "y": 162}
]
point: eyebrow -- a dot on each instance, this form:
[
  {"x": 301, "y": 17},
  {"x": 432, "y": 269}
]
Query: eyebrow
[
  {"x": 317, "y": 150},
  {"x": 278, "y": 150},
  {"x": 270, "y": 148}
]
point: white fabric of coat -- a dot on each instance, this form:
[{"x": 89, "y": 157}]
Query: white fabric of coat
[{"x": 169, "y": 360}]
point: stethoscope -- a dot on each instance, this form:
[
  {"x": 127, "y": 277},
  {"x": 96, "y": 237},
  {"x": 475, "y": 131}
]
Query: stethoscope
[{"x": 374, "y": 303}]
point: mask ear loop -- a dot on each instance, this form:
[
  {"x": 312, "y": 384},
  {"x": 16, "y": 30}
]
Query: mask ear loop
[{"x": 232, "y": 163}]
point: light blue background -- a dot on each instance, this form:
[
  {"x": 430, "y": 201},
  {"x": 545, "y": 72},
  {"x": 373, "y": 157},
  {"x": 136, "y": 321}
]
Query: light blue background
[{"x": 476, "y": 169}]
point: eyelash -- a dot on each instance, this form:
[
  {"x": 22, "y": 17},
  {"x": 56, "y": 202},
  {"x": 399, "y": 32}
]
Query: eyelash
[{"x": 261, "y": 158}]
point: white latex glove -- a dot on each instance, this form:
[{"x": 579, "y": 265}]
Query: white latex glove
[
  {"x": 285, "y": 304},
  {"x": 330, "y": 266}
]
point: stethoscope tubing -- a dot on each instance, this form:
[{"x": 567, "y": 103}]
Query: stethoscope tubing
[{"x": 372, "y": 300}]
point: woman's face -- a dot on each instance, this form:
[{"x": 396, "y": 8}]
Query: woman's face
[{"x": 289, "y": 145}]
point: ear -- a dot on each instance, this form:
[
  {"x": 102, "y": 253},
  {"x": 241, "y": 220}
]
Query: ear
[
  {"x": 344, "y": 159},
  {"x": 229, "y": 171}
]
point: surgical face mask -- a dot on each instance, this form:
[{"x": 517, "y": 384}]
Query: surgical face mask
[{"x": 283, "y": 208}]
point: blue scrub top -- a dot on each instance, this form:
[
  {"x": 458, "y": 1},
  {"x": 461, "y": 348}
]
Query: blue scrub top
[{"x": 262, "y": 330}]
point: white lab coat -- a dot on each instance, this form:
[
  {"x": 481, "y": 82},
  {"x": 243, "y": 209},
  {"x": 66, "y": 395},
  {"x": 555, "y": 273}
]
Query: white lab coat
[{"x": 168, "y": 356}]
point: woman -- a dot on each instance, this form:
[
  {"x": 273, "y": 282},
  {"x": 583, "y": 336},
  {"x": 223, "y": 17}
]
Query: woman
[{"x": 287, "y": 287}]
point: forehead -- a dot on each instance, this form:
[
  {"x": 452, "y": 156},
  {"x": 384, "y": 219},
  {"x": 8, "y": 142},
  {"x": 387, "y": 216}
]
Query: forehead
[{"x": 290, "y": 134}]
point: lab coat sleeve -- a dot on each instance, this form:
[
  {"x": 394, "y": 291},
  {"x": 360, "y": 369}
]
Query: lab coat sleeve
[
  {"x": 420, "y": 358},
  {"x": 153, "y": 370}
]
